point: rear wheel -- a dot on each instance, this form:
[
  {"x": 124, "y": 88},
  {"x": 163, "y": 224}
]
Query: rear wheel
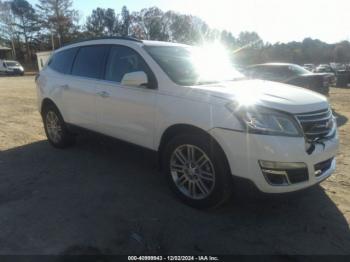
[
  {"x": 55, "y": 128},
  {"x": 197, "y": 171}
]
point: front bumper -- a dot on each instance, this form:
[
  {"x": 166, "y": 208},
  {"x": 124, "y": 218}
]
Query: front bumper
[{"x": 244, "y": 151}]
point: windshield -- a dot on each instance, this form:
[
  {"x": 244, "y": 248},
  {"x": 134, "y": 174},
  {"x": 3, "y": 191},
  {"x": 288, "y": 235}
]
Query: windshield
[
  {"x": 12, "y": 63},
  {"x": 194, "y": 65},
  {"x": 298, "y": 70}
]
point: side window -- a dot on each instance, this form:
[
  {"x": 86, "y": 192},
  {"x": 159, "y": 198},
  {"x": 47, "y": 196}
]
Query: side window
[
  {"x": 287, "y": 71},
  {"x": 90, "y": 61},
  {"x": 271, "y": 71},
  {"x": 274, "y": 73},
  {"x": 62, "y": 61},
  {"x": 124, "y": 60},
  {"x": 262, "y": 72},
  {"x": 251, "y": 72}
]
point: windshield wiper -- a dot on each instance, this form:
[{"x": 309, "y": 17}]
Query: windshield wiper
[
  {"x": 206, "y": 82},
  {"x": 238, "y": 78}
]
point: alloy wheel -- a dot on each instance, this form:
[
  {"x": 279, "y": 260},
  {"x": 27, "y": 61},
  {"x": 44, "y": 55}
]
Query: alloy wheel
[
  {"x": 53, "y": 126},
  {"x": 192, "y": 171}
]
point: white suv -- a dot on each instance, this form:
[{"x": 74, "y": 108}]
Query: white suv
[{"x": 206, "y": 121}]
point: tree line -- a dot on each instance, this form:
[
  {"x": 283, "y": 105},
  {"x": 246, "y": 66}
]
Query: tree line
[{"x": 53, "y": 23}]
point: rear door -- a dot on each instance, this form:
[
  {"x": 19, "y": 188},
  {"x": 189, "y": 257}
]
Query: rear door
[
  {"x": 58, "y": 72},
  {"x": 126, "y": 112},
  {"x": 79, "y": 93}
]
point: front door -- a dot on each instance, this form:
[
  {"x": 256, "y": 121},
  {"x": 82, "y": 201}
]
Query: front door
[{"x": 126, "y": 112}]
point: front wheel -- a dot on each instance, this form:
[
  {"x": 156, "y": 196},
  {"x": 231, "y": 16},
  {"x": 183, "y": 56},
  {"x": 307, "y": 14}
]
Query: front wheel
[{"x": 197, "y": 171}]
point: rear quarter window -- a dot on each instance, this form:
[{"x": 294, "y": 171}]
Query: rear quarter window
[{"x": 62, "y": 61}]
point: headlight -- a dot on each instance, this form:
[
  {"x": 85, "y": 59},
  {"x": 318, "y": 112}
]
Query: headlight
[{"x": 260, "y": 120}]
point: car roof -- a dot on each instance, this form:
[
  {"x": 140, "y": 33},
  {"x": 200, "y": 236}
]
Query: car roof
[
  {"x": 271, "y": 64},
  {"x": 117, "y": 40},
  {"x": 161, "y": 43},
  {"x": 276, "y": 64}
]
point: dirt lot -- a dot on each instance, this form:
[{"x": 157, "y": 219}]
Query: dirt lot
[{"x": 108, "y": 196}]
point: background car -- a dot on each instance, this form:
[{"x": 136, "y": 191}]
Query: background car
[
  {"x": 9, "y": 67},
  {"x": 291, "y": 74},
  {"x": 309, "y": 67},
  {"x": 340, "y": 73},
  {"x": 324, "y": 68}
]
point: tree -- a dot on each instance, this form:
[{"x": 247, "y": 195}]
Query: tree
[
  {"x": 95, "y": 23},
  {"x": 7, "y": 22},
  {"x": 341, "y": 52},
  {"x": 150, "y": 23},
  {"x": 228, "y": 39},
  {"x": 112, "y": 23},
  {"x": 25, "y": 22},
  {"x": 250, "y": 39},
  {"x": 103, "y": 22},
  {"x": 59, "y": 23},
  {"x": 125, "y": 21},
  {"x": 59, "y": 17},
  {"x": 185, "y": 28}
]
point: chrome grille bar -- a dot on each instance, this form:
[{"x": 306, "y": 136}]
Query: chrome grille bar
[{"x": 316, "y": 124}]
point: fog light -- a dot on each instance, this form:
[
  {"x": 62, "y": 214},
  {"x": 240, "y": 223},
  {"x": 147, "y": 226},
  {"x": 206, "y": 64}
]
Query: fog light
[
  {"x": 284, "y": 173},
  {"x": 281, "y": 165},
  {"x": 275, "y": 178}
]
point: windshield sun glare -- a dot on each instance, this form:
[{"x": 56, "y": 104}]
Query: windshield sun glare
[{"x": 185, "y": 65}]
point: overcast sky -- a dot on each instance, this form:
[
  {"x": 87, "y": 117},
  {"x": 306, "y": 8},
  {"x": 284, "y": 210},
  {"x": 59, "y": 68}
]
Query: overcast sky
[{"x": 273, "y": 20}]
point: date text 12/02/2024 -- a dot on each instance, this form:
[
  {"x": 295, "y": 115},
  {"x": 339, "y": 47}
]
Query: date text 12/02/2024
[{"x": 173, "y": 258}]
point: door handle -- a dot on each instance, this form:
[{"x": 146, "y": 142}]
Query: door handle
[
  {"x": 103, "y": 94},
  {"x": 65, "y": 87}
]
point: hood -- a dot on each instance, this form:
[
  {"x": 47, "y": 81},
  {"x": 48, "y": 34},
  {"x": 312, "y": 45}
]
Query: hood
[
  {"x": 318, "y": 74},
  {"x": 273, "y": 95}
]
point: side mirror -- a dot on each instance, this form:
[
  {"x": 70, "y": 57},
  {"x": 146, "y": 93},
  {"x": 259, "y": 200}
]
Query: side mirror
[{"x": 137, "y": 79}]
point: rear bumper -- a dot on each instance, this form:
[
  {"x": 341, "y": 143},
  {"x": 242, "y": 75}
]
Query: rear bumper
[{"x": 244, "y": 151}]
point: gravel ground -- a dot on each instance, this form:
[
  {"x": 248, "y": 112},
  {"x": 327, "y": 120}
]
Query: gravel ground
[{"x": 107, "y": 196}]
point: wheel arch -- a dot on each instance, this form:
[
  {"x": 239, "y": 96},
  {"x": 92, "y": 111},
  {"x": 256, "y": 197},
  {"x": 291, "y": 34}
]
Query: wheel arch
[
  {"x": 47, "y": 102},
  {"x": 186, "y": 129}
]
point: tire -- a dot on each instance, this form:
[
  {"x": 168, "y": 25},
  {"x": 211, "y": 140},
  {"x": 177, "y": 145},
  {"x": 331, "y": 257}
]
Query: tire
[
  {"x": 325, "y": 91},
  {"x": 218, "y": 187},
  {"x": 56, "y": 129},
  {"x": 342, "y": 80}
]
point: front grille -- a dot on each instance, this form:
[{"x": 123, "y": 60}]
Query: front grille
[{"x": 317, "y": 124}]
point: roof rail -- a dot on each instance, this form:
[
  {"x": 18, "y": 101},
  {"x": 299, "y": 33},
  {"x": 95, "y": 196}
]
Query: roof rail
[{"x": 128, "y": 38}]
